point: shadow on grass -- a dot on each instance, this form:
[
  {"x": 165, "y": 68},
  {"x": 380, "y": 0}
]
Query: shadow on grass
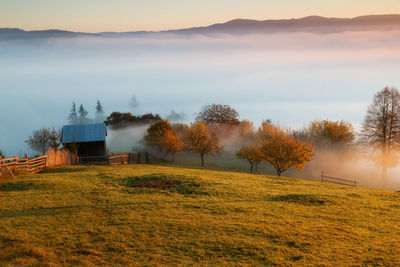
[
  {"x": 38, "y": 211},
  {"x": 22, "y": 186},
  {"x": 65, "y": 170},
  {"x": 308, "y": 200},
  {"x": 167, "y": 182}
]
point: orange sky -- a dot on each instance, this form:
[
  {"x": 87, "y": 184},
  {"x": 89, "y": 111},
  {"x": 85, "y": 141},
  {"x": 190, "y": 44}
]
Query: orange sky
[{"x": 130, "y": 15}]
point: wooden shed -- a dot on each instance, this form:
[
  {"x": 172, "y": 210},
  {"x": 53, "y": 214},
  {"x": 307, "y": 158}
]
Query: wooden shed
[{"x": 88, "y": 139}]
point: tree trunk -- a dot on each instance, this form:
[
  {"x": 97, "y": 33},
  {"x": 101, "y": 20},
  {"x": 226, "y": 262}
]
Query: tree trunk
[{"x": 202, "y": 159}]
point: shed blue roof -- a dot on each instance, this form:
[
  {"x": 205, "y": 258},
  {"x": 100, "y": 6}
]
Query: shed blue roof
[{"x": 81, "y": 133}]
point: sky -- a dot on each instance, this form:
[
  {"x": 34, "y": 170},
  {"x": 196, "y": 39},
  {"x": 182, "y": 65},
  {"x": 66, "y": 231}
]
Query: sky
[{"x": 132, "y": 15}]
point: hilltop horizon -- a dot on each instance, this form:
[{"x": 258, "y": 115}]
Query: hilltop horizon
[{"x": 307, "y": 23}]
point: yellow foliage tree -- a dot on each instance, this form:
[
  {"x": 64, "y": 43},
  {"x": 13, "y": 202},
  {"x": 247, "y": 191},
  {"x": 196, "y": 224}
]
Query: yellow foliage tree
[
  {"x": 330, "y": 133},
  {"x": 198, "y": 139},
  {"x": 252, "y": 154},
  {"x": 283, "y": 151}
]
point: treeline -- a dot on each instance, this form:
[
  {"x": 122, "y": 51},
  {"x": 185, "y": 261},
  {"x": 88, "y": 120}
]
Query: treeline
[
  {"x": 283, "y": 148},
  {"x": 218, "y": 127},
  {"x": 80, "y": 116},
  {"x": 216, "y": 124}
]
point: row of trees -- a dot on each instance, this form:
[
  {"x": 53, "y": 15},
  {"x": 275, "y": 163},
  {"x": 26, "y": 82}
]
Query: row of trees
[
  {"x": 270, "y": 143},
  {"x": 80, "y": 116},
  {"x": 283, "y": 149}
]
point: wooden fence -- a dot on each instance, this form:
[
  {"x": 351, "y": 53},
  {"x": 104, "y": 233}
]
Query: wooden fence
[
  {"x": 336, "y": 180},
  {"x": 128, "y": 158},
  {"x": 16, "y": 165}
]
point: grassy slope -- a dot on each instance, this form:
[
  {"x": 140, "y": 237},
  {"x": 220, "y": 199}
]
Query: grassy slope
[{"x": 87, "y": 215}]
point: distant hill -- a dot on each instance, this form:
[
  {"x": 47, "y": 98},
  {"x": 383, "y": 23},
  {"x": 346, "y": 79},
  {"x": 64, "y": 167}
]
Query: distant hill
[{"x": 313, "y": 24}]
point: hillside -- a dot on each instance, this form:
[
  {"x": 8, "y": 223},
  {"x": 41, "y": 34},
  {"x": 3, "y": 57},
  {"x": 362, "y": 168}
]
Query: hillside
[
  {"x": 148, "y": 214},
  {"x": 312, "y": 24}
]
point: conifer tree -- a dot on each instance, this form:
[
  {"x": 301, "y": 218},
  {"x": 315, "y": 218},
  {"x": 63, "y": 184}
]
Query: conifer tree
[
  {"x": 82, "y": 115},
  {"x": 73, "y": 115},
  {"x": 100, "y": 117}
]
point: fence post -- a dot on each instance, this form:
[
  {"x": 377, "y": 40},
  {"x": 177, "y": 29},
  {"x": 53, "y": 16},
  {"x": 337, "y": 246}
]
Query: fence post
[{"x": 27, "y": 163}]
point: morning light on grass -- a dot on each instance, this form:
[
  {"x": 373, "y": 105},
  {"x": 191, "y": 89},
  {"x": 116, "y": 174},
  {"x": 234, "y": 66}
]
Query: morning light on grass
[
  {"x": 150, "y": 215},
  {"x": 200, "y": 133}
]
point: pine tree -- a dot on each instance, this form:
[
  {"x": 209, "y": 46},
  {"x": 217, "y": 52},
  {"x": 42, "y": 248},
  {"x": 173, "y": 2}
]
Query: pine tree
[
  {"x": 100, "y": 117},
  {"x": 73, "y": 116},
  {"x": 83, "y": 115}
]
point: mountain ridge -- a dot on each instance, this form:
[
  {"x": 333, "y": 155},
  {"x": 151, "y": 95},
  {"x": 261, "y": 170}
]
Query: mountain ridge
[{"x": 313, "y": 24}]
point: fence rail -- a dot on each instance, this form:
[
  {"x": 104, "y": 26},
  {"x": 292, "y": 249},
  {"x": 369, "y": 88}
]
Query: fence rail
[
  {"x": 128, "y": 158},
  {"x": 335, "y": 180},
  {"x": 11, "y": 166}
]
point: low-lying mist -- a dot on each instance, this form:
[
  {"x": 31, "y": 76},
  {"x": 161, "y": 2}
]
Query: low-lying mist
[
  {"x": 291, "y": 78},
  {"x": 354, "y": 163}
]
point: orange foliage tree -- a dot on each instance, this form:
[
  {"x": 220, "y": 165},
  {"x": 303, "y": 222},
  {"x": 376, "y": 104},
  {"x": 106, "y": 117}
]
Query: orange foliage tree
[
  {"x": 172, "y": 143},
  {"x": 252, "y": 154},
  {"x": 198, "y": 139},
  {"x": 283, "y": 151},
  {"x": 162, "y": 136}
]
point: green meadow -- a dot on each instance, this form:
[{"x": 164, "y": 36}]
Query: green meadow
[{"x": 162, "y": 215}]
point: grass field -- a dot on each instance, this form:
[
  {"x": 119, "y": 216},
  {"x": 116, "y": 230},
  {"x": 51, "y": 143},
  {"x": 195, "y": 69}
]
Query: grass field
[{"x": 159, "y": 215}]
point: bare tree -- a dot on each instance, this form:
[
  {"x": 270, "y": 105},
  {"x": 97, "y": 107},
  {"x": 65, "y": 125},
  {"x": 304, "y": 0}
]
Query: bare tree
[
  {"x": 381, "y": 127},
  {"x": 40, "y": 140}
]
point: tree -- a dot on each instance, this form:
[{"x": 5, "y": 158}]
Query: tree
[
  {"x": 325, "y": 133},
  {"x": 283, "y": 151},
  {"x": 82, "y": 115},
  {"x": 252, "y": 154},
  {"x": 55, "y": 140},
  {"x": 133, "y": 102},
  {"x": 40, "y": 140},
  {"x": 172, "y": 143},
  {"x": 266, "y": 130},
  {"x": 118, "y": 120},
  {"x": 199, "y": 140},
  {"x": 156, "y": 136},
  {"x": 73, "y": 115},
  {"x": 2, "y": 155},
  {"x": 100, "y": 117},
  {"x": 217, "y": 114},
  {"x": 381, "y": 127}
]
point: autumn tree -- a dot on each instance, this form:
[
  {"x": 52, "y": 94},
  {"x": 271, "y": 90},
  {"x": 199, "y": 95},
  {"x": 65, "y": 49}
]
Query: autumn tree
[
  {"x": 162, "y": 136},
  {"x": 118, "y": 120},
  {"x": 252, "y": 154},
  {"x": 284, "y": 151},
  {"x": 172, "y": 143},
  {"x": 326, "y": 133},
  {"x": 40, "y": 140},
  {"x": 217, "y": 114},
  {"x": 266, "y": 130},
  {"x": 198, "y": 139}
]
